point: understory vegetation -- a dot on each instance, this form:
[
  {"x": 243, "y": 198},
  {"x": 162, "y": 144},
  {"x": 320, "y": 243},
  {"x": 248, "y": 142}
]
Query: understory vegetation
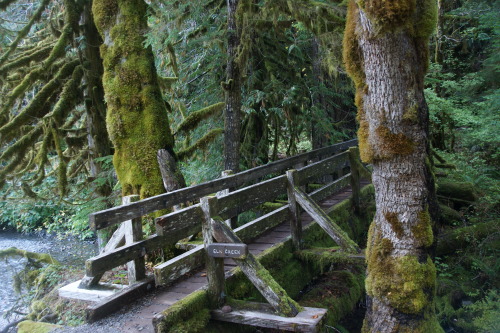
[{"x": 295, "y": 97}]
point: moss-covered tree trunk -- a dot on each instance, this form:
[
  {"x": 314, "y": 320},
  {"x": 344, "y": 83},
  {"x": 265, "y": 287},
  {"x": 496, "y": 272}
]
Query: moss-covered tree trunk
[
  {"x": 137, "y": 117},
  {"x": 232, "y": 117},
  {"x": 386, "y": 54}
]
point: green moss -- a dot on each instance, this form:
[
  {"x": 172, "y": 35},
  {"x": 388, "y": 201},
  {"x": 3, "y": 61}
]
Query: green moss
[
  {"x": 353, "y": 59},
  {"x": 187, "y": 315},
  {"x": 426, "y": 20},
  {"x": 29, "y": 326},
  {"x": 137, "y": 119},
  {"x": 343, "y": 289},
  {"x": 389, "y": 14},
  {"x": 390, "y": 144},
  {"x": 411, "y": 286},
  {"x": 411, "y": 114},
  {"x": 396, "y": 225},
  {"x": 422, "y": 230},
  {"x": 196, "y": 117}
]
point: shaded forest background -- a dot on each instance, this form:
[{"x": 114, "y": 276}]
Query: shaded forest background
[{"x": 56, "y": 159}]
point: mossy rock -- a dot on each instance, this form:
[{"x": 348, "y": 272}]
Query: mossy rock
[{"x": 29, "y": 326}]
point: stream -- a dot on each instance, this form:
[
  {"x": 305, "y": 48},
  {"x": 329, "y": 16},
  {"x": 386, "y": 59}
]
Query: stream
[{"x": 69, "y": 251}]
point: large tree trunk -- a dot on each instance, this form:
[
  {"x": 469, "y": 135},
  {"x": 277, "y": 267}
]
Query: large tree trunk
[
  {"x": 232, "y": 117},
  {"x": 385, "y": 50},
  {"x": 136, "y": 119}
]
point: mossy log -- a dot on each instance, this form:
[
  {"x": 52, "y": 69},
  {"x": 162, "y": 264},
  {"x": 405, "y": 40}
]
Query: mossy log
[
  {"x": 462, "y": 237},
  {"x": 456, "y": 192},
  {"x": 449, "y": 216}
]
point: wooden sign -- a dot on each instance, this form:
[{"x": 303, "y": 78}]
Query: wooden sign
[{"x": 227, "y": 250}]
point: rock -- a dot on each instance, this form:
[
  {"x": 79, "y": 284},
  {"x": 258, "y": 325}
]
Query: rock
[
  {"x": 226, "y": 309},
  {"x": 29, "y": 326}
]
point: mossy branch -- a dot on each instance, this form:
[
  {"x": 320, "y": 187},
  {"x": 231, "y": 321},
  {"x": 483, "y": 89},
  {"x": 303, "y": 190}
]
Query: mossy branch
[
  {"x": 62, "y": 179},
  {"x": 40, "y": 257},
  {"x": 167, "y": 82},
  {"x": 200, "y": 144},
  {"x": 173, "y": 59},
  {"x": 27, "y": 57},
  {"x": 21, "y": 145},
  {"x": 25, "y": 30},
  {"x": 33, "y": 109},
  {"x": 68, "y": 98},
  {"x": 196, "y": 117}
]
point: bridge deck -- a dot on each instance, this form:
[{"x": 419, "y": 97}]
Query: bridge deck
[{"x": 167, "y": 296}]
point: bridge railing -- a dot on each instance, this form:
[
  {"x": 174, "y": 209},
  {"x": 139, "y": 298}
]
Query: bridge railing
[{"x": 183, "y": 223}]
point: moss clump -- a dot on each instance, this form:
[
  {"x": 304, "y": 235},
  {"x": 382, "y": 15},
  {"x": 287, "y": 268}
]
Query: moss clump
[
  {"x": 411, "y": 286},
  {"x": 390, "y": 144},
  {"x": 189, "y": 315},
  {"x": 396, "y": 225},
  {"x": 353, "y": 59},
  {"x": 426, "y": 18},
  {"x": 29, "y": 326},
  {"x": 422, "y": 230},
  {"x": 389, "y": 14}
]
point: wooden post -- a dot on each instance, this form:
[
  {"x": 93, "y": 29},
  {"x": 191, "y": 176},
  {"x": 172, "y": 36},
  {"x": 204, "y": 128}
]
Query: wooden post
[
  {"x": 136, "y": 269},
  {"x": 257, "y": 274},
  {"x": 232, "y": 222},
  {"x": 355, "y": 177},
  {"x": 295, "y": 222},
  {"x": 215, "y": 266}
]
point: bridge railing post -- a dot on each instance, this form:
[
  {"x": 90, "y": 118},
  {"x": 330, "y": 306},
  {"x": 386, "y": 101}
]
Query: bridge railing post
[
  {"x": 232, "y": 222},
  {"x": 355, "y": 177},
  {"x": 295, "y": 222},
  {"x": 215, "y": 266},
  {"x": 136, "y": 269}
]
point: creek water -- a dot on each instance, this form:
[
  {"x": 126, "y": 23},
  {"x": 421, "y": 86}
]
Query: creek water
[{"x": 68, "y": 251}]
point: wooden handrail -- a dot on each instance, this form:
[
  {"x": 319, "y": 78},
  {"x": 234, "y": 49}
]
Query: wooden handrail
[{"x": 111, "y": 216}]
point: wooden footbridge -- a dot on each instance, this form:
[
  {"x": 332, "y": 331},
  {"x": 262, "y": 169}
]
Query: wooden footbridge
[{"x": 220, "y": 202}]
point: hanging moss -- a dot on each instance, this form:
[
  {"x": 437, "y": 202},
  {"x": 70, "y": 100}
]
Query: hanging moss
[
  {"x": 196, "y": 117},
  {"x": 353, "y": 59},
  {"x": 389, "y": 14},
  {"x": 426, "y": 18},
  {"x": 25, "y": 30},
  {"x": 34, "y": 107},
  {"x": 25, "y": 59}
]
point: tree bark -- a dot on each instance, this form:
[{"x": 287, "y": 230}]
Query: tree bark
[
  {"x": 232, "y": 117},
  {"x": 386, "y": 54},
  {"x": 137, "y": 118}
]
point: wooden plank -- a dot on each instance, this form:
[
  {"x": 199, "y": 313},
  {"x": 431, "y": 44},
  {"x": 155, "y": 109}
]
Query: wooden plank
[
  {"x": 118, "y": 300},
  {"x": 106, "y": 261},
  {"x": 260, "y": 225},
  {"x": 331, "y": 188},
  {"x": 321, "y": 168},
  {"x": 227, "y": 250},
  {"x": 242, "y": 200},
  {"x": 325, "y": 222},
  {"x": 173, "y": 269},
  {"x": 111, "y": 216},
  {"x": 180, "y": 224},
  {"x": 309, "y": 320},
  {"x": 257, "y": 274}
]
